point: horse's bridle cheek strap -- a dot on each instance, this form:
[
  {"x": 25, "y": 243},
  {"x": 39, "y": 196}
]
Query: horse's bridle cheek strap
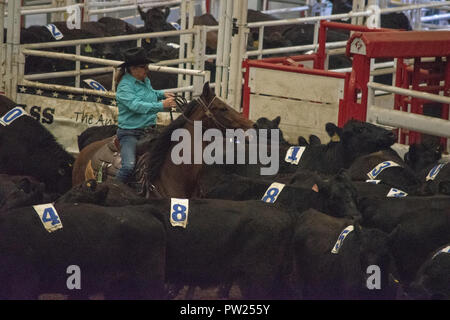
[{"x": 208, "y": 112}]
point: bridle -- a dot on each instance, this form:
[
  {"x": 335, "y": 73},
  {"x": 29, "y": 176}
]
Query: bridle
[{"x": 180, "y": 101}]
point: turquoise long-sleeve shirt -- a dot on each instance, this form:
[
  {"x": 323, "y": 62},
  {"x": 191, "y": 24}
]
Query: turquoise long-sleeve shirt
[{"x": 138, "y": 102}]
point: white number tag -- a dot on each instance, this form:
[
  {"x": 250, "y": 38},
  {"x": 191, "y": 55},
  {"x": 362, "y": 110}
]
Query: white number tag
[
  {"x": 175, "y": 25},
  {"x": 434, "y": 172},
  {"x": 294, "y": 154},
  {"x": 379, "y": 168},
  {"x": 373, "y": 181},
  {"x": 12, "y": 115},
  {"x": 445, "y": 250},
  {"x": 341, "y": 239},
  {"x": 179, "y": 210},
  {"x": 95, "y": 85},
  {"x": 273, "y": 192},
  {"x": 396, "y": 193},
  {"x": 55, "y": 31},
  {"x": 48, "y": 216}
]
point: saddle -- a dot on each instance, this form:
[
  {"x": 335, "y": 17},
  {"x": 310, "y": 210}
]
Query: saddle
[{"x": 107, "y": 161}]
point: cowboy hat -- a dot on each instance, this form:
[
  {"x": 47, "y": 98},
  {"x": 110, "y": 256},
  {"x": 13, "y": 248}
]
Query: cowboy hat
[{"x": 134, "y": 57}]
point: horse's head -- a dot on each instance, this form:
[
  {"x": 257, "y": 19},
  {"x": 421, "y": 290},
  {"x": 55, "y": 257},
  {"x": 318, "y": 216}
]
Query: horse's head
[{"x": 216, "y": 113}]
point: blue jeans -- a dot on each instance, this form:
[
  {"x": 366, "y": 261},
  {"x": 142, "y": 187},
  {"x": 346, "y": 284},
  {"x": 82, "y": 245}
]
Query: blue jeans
[{"x": 128, "y": 139}]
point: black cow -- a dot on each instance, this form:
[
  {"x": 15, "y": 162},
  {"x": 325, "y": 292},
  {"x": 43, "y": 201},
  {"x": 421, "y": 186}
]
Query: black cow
[
  {"x": 264, "y": 123},
  {"x": 20, "y": 191},
  {"x": 28, "y": 148},
  {"x": 321, "y": 274},
  {"x": 119, "y": 251},
  {"x": 433, "y": 279},
  {"x": 358, "y": 138},
  {"x": 400, "y": 177},
  {"x": 155, "y": 20},
  {"x": 422, "y": 224},
  {"x": 224, "y": 241},
  {"x": 336, "y": 197},
  {"x": 424, "y": 159},
  {"x": 108, "y": 193}
]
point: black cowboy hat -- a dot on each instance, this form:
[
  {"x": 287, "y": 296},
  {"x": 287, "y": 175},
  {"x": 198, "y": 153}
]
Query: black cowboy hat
[{"x": 134, "y": 57}]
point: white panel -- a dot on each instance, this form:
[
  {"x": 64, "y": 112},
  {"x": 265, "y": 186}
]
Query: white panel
[
  {"x": 296, "y": 85},
  {"x": 298, "y": 118}
]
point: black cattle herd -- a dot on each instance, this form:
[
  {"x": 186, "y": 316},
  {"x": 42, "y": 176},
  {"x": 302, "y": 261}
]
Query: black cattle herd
[
  {"x": 349, "y": 219},
  {"x": 239, "y": 234},
  {"x": 158, "y": 49}
]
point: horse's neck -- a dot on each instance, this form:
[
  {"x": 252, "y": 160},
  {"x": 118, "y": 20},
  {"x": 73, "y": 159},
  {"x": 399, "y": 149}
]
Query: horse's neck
[{"x": 180, "y": 180}]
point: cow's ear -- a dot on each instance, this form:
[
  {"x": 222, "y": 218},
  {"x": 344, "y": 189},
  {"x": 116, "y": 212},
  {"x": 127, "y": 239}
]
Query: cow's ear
[
  {"x": 276, "y": 121},
  {"x": 206, "y": 90},
  {"x": 302, "y": 141},
  {"x": 166, "y": 12},
  {"x": 142, "y": 13},
  {"x": 406, "y": 157},
  {"x": 357, "y": 226}
]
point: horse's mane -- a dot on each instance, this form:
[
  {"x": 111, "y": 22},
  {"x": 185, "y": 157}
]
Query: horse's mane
[{"x": 161, "y": 145}]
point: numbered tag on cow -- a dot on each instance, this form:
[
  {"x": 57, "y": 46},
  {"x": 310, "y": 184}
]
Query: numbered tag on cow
[
  {"x": 175, "y": 25},
  {"x": 48, "y": 216},
  {"x": 179, "y": 211},
  {"x": 273, "y": 192},
  {"x": 434, "y": 172},
  {"x": 95, "y": 85},
  {"x": 382, "y": 166},
  {"x": 55, "y": 32},
  {"x": 396, "y": 193},
  {"x": 174, "y": 45},
  {"x": 341, "y": 239},
  {"x": 445, "y": 250},
  {"x": 294, "y": 154},
  {"x": 12, "y": 115},
  {"x": 373, "y": 181}
]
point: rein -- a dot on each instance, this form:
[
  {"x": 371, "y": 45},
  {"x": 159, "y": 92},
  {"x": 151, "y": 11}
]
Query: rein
[{"x": 180, "y": 101}]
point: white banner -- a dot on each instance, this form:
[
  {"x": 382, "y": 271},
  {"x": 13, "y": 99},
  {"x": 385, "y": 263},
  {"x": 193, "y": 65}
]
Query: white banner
[{"x": 67, "y": 115}]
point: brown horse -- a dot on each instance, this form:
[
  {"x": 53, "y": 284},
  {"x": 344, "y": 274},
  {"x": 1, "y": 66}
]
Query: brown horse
[{"x": 155, "y": 169}]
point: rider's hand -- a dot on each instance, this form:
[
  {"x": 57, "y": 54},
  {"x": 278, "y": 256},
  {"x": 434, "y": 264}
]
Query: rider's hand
[
  {"x": 169, "y": 103},
  {"x": 169, "y": 95}
]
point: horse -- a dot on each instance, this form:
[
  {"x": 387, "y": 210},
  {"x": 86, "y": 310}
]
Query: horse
[{"x": 155, "y": 171}]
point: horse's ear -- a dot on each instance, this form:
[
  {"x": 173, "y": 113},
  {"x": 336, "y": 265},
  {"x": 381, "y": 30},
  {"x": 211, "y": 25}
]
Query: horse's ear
[
  {"x": 142, "y": 13},
  {"x": 206, "y": 91}
]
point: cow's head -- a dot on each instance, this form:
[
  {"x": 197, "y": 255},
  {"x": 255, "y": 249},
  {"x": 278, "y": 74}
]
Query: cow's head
[
  {"x": 21, "y": 192},
  {"x": 341, "y": 195},
  {"x": 432, "y": 281},
  {"x": 423, "y": 155},
  {"x": 361, "y": 138},
  {"x": 376, "y": 261},
  {"x": 87, "y": 192},
  {"x": 155, "y": 19}
]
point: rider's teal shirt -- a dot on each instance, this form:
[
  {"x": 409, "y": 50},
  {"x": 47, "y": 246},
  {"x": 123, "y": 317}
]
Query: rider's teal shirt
[{"x": 138, "y": 102}]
